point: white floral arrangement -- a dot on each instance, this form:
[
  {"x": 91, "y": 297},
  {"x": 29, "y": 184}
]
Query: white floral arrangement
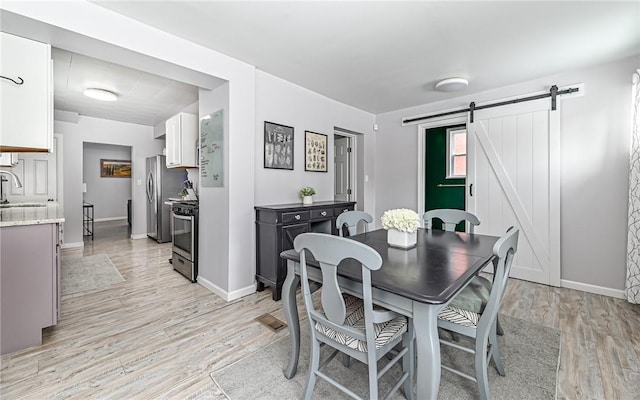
[{"x": 401, "y": 219}]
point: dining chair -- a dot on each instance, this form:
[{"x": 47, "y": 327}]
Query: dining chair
[
  {"x": 350, "y": 324},
  {"x": 482, "y": 326},
  {"x": 351, "y": 220},
  {"x": 473, "y": 297}
]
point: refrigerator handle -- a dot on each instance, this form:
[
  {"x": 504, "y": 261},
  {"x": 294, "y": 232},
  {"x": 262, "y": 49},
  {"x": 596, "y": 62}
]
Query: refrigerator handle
[{"x": 150, "y": 187}]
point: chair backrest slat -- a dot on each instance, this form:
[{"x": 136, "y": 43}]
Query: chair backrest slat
[
  {"x": 504, "y": 251},
  {"x": 329, "y": 251},
  {"x": 450, "y": 218},
  {"x": 351, "y": 220}
]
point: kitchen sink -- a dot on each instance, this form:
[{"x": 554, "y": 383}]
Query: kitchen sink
[{"x": 17, "y": 205}]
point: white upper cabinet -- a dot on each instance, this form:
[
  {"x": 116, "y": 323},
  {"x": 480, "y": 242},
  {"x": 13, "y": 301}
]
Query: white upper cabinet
[
  {"x": 26, "y": 94},
  {"x": 182, "y": 141}
]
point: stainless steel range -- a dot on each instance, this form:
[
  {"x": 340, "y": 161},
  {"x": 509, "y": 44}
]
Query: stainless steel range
[{"x": 184, "y": 233}]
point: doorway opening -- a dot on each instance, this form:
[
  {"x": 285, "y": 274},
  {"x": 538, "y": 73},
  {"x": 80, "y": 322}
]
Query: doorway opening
[
  {"x": 344, "y": 151},
  {"x": 445, "y": 169},
  {"x": 107, "y": 195}
]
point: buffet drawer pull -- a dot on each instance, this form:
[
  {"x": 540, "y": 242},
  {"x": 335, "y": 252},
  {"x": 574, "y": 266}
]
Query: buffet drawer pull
[
  {"x": 297, "y": 217},
  {"x": 324, "y": 213}
]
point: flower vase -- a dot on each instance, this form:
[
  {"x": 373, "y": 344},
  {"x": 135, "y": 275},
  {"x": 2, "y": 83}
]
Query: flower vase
[
  {"x": 307, "y": 200},
  {"x": 402, "y": 240}
]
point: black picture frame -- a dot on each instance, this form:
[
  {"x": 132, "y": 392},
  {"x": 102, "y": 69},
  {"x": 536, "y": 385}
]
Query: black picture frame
[
  {"x": 316, "y": 152},
  {"x": 278, "y": 146}
]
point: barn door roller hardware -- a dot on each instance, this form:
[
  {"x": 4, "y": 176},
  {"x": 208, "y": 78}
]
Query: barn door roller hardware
[{"x": 553, "y": 93}]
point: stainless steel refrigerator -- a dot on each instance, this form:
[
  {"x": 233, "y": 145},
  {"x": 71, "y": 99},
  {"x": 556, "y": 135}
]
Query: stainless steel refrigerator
[{"x": 162, "y": 183}]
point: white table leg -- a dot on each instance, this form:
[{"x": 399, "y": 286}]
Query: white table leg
[
  {"x": 289, "y": 286},
  {"x": 428, "y": 350}
]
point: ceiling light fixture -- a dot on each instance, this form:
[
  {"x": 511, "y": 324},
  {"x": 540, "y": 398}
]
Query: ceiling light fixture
[
  {"x": 100, "y": 94},
  {"x": 452, "y": 85}
]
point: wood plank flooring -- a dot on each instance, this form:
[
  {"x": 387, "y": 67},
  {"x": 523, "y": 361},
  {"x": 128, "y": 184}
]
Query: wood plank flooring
[{"x": 157, "y": 335}]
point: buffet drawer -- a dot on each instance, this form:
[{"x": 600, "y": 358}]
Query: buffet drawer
[{"x": 293, "y": 217}]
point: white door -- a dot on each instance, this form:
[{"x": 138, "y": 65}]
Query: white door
[
  {"x": 342, "y": 152},
  {"x": 514, "y": 180},
  {"x": 37, "y": 173}
]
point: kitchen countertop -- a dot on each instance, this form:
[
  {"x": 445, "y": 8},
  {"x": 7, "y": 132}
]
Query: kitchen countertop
[{"x": 17, "y": 216}]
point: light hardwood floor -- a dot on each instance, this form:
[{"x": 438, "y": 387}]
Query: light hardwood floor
[{"x": 157, "y": 335}]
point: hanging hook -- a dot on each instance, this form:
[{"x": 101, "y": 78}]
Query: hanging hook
[{"x": 20, "y": 82}]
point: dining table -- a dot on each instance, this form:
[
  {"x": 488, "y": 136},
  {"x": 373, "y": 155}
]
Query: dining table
[{"x": 417, "y": 282}]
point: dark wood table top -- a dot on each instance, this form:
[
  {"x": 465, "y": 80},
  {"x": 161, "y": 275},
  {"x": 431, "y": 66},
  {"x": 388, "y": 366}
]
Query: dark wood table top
[{"x": 431, "y": 272}]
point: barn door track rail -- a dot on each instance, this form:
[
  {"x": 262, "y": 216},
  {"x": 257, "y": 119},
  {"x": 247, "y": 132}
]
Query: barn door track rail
[{"x": 553, "y": 93}]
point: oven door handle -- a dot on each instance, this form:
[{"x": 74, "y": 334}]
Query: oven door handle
[{"x": 182, "y": 217}]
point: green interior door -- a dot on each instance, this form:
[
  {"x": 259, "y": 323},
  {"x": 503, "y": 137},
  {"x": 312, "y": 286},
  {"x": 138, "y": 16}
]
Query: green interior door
[{"x": 441, "y": 192}]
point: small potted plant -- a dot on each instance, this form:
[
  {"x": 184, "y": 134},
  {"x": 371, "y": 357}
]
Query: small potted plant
[{"x": 306, "y": 194}]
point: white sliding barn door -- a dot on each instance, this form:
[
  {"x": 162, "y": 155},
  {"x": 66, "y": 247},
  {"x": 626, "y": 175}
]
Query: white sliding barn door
[{"x": 514, "y": 179}]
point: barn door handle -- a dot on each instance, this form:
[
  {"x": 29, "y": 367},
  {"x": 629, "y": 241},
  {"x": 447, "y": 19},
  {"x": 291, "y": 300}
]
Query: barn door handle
[{"x": 471, "y": 190}]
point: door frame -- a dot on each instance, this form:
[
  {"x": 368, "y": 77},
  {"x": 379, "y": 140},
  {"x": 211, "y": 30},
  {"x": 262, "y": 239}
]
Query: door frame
[
  {"x": 351, "y": 165},
  {"x": 422, "y": 153}
]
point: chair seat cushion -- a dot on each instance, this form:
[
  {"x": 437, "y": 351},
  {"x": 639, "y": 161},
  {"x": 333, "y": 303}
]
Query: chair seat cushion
[
  {"x": 385, "y": 331},
  {"x": 475, "y": 296},
  {"x": 459, "y": 316}
]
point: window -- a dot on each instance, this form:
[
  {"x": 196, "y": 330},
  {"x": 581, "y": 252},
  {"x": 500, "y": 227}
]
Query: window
[{"x": 456, "y": 153}]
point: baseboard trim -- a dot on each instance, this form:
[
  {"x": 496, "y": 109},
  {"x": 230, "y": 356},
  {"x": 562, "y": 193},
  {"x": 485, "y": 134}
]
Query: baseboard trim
[
  {"x": 72, "y": 245},
  {"x": 585, "y": 287},
  {"x": 109, "y": 219},
  {"x": 245, "y": 291},
  {"x": 227, "y": 296},
  {"x": 140, "y": 236}
]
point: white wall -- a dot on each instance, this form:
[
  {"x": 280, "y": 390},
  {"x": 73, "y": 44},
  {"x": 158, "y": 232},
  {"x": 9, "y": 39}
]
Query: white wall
[
  {"x": 285, "y": 103},
  {"x": 109, "y": 196},
  {"x": 595, "y": 160},
  {"x": 214, "y": 240},
  {"x": 96, "y": 130}
]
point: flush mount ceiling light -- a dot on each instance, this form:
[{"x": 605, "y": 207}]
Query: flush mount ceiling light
[
  {"x": 452, "y": 85},
  {"x": 100, "y": 94}
]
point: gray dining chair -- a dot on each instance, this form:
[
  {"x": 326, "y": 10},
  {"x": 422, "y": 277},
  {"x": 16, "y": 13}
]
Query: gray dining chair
[
  {"x": 482, "y": 326},
  {"x": 351, "y": 220},
  {"x": 350, "y": 324},
  {"x": 473, "y": 297}
]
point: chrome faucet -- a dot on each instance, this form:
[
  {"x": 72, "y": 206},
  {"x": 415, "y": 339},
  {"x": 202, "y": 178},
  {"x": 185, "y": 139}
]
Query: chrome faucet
[{"x": 16, "y": 180}]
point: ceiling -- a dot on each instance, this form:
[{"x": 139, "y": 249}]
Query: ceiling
[
  {"x": 143, "y": 98},
  {"x": 375, "y": 56}
]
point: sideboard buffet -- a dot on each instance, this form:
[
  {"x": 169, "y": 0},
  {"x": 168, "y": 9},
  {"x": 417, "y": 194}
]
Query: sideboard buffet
[{"x": 276, "y": 228}]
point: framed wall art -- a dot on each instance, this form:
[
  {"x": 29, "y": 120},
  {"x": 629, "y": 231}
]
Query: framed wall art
[
  {"x": 315, "y": 152},
  {"x": 115, "y": 168},
  {"x": 278, "y": 146}
]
